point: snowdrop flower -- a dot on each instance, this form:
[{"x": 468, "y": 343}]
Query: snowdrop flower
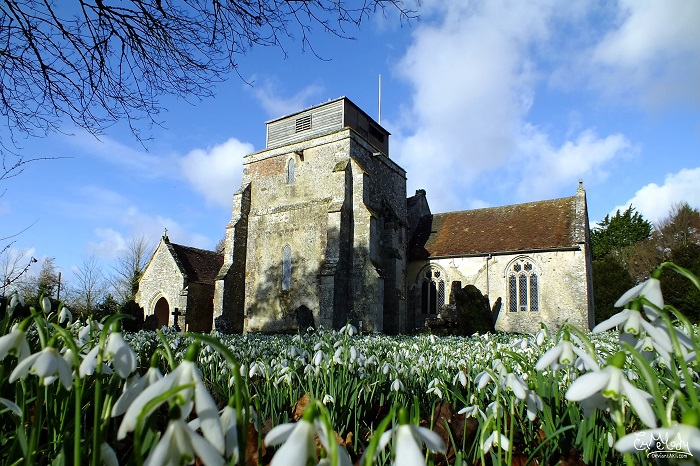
[
  {"x": 85, "y": 331},
  {"x": 229, "y": 424},
  {"x": 180, "y": 445},
  {"x": 13, "y": 407},
  {"x": 651, "y": 290},
  {"x": 65, "y": 315},
  {"x": 611, "y": 383},
  {"x": 299, "y": 440},
  {"x": 472, "y": 411},
  {"x": 482, "y": 379},
  {"x": 461, "y": 377},
  {"x": 46, "y": 305},
  {"x": 409, "y": 439},
  {"x": 45, "y": 364},
  {"x": 496, "y": 438},
  {"x": 564, "y": 353},
  {"x": 15, "y": 342},
  {"x": 108, "y": 455},
  {"x": 135, "y": 385},
  {"x": 318, "y": 357},
  {"x": 328, "y": 399},
  {"x": 121, "y": 354},
  {"x": 396, "y": 386},
  {"x": 15, "y": 300},
  {"x": 541, "y": 335},
  {"x": 515, "y": 384},
  {"x": 186, "y": 374},
  {"x": 348, "y": 329},
  {"x": 533, "y": 404}
]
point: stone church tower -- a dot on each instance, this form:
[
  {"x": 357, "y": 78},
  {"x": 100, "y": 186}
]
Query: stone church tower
[{"x": 318, "y": 234}]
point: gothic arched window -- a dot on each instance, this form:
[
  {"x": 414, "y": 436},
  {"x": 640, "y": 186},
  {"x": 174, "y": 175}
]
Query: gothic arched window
[
  {"x": 290, "y": 171},
  {"x": 286, "y": 268},
  {"x": 432, "y": 290},
  {"x": 523, "y": 286}
]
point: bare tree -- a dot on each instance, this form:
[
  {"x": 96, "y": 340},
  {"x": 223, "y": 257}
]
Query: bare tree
[
  {"x": 14, "y": 265},
  {"x": 220, "y": 245},
  {"x": 88, "y": 287},
  {"x": 129, "y": 267},
  {"x": 679, "y": 228},
  {"x": 94, "y": 62}
]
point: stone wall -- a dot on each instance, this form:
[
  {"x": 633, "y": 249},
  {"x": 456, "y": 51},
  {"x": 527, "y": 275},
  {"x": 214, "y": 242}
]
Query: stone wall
[
  {"x": 562, "y": 279},
  {"x": 200, "y": 307},
  {"x": 343, "y": 217},
  {"x": 161, "y": 279}
]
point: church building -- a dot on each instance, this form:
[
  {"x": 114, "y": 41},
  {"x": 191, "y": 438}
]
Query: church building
[{"x": 322, "y": 233}]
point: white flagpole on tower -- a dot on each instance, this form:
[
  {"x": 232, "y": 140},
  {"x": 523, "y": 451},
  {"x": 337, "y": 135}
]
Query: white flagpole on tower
[{"x": 379, "y": 118}]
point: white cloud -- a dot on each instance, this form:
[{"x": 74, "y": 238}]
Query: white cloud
[
  {"x": 546, "y": 170},
  {"x": 654, "y": 202},
  {"x": 111, "y": 242},
  {"x": 266, "y": 92},
  {"x": 216, "y": 172},
  {"x": 109, "y": 245},
  {"x": 653, "y": 52},
  {"x": 138, "y": 161},
  {"x": 474, "y": 71}
]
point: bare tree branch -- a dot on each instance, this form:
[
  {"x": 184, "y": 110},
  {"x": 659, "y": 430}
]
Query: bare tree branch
[{"x": 94, "y": 62}]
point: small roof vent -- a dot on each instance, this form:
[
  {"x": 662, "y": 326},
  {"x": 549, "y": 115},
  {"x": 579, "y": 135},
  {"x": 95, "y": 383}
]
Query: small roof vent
[{"x": 303, "y": 123}]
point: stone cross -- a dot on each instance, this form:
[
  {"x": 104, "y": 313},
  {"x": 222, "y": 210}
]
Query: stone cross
[{"x": 176, "y": 316}]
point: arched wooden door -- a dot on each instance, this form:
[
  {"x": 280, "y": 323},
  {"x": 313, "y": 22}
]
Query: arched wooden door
[{"x": 162, "y": 312}]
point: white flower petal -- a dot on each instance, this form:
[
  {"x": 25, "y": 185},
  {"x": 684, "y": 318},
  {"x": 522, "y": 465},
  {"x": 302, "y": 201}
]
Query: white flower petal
[
  {"x": 205, "y": 450},
  {"x": 298, "y": 448},
  {"x": 45, "y": 364},
  {"x": 107, "y": 455},
  {"x": 87, "y": 367},
  {"x": 639, "y": 401},
  {"x": 550, "y": 356},
  {"x": 161, "y": 453},
  {"x": 12, "y": 406},
  {"x": 22, "y": 369},
  {"x": 279, "y": 434},
  {"x": 209, "y": 417},
  {"x": 65, "y": 372},
  {"x": 629, "y": 294},
  {"x": 132, "y": 413},
  {"x": 430, "y": 438},
  {"x": 587, "y": 385},
  {"x": 408, "y": 453},
  {"x": 122, "y": 355},
  {"x": 612, "y": 322}
]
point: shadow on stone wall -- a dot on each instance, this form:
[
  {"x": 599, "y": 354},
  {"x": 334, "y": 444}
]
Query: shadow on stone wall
[
  {"x": 468, "y": 312},
  {"x": 274, "y": 310}
]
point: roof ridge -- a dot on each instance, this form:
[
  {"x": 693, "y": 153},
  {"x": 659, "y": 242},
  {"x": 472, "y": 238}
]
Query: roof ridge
[{"x": 505, "y": 206}]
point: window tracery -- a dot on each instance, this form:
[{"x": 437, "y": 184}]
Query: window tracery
[
  {"x": 432, "y": 290},
  {"x": 523, "y": 286}
]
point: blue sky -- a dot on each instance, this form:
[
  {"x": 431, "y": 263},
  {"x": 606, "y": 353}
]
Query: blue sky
[{"x": 488, "y": 103}]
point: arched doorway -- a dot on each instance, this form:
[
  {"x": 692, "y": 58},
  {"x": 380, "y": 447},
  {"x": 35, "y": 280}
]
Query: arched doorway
[{"x": 162, "y": 312}]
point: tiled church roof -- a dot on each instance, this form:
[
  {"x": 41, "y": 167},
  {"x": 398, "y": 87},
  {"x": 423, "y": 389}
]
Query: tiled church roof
[
  {"x": 200, "y": 265},
  {"x": 520, "y": 227}
]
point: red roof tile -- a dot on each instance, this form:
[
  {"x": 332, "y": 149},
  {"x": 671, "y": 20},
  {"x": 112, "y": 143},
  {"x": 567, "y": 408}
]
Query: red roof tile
[
  {"x": 200, "y": 265},
  {"x": 520, "y": 227}
]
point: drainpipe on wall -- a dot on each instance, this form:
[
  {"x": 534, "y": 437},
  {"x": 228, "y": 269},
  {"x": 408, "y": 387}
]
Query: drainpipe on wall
[{"x": 488, "y": 287}]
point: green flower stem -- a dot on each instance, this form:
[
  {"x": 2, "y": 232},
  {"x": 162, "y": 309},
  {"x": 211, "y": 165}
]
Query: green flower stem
[
  {"x": 77, "y": 426},
  {"x": 30, "y": 458},
  {"x": 689, "y": 381},
  {"x": 619, "y": 417}
]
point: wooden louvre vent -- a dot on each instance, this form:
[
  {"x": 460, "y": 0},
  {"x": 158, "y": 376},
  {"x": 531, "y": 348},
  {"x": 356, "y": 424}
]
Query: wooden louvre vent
[{"x": 303, "y": 123}]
